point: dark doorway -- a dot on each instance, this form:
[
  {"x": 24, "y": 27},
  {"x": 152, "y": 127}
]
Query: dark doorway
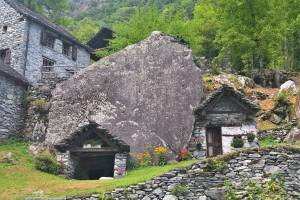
[
  {"x": 93, "y": 167},
  {"x": 214, "y": 141}
]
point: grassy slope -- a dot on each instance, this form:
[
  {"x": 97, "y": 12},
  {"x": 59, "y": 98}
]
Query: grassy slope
[{"x": 20, "y": 180}]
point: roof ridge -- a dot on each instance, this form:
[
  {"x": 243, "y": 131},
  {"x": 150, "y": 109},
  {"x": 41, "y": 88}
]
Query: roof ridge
[
  {"x": 220, "y": 90},
  {"x": 12, "y": 73}
]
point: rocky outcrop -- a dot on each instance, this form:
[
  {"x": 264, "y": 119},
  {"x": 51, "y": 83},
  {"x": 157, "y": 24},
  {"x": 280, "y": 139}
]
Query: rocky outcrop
[
  {"x": 144, "y": 94},
  {"x": 289, "y": 86},
  {"x": 203, "y": 181}
]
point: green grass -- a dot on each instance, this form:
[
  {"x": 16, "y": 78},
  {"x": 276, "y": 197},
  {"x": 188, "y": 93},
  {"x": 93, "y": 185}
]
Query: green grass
[
  {"x": 22, "y": 179},
  {"x": 266, "y": 142}
]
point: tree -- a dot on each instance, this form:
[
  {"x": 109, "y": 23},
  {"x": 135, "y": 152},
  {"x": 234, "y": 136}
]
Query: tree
[
  {"x": 53, "y": 9},
  {"x": 146, "y": 20}
]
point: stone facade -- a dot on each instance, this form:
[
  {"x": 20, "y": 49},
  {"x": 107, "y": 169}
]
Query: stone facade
[
  {"x": 15, "y": 38},
  {"x": 11, "y": 106},
  {"x": 68, "y": 165},
  {"x": 258, "y": 165},
  {"x": 63, "y": 63},
  {"x": 145, "y": 95},
  {"x": 21, "y": 34},
  {"x": 120, "y": 164}
]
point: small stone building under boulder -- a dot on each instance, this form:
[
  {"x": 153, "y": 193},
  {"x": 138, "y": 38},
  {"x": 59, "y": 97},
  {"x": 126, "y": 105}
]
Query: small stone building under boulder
[
  {"x": 92, "y": 153},
  {"x": 143, "y": 95},
  {"x": 225, "y": 114}
]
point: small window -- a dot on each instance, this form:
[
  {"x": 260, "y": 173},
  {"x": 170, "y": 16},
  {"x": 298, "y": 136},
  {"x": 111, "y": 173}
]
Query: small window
[
  {"x": 5, "y": 57},
  {"x": 47, "y": 39},
  {"x": 66, "y": 49},
  {"x": 48, "y": 62},
  {"x": 4, "y": 29}
]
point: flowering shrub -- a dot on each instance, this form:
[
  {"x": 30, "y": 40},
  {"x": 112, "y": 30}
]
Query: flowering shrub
[
  {"x": 144, "y": 159},
  {"x": 161, "y": 154},
  {"x": 184, "y": 154}
]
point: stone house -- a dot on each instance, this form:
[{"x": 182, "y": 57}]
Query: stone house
[
  {"x": 225, "y": 114},
  {"x": 37, "y": 48},
  {"x": 12, "y": 87}
]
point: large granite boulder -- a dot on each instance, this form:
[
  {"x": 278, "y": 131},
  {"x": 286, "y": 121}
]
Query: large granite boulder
[{"x": 144, "y": 95}]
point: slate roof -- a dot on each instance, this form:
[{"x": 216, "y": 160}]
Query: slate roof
[
  {"x": 13, "y": 74},
  {"x": 100, "y": 40},
  {"x": 67, "y": 143},
  {"x": 45, "y": 22},
  {"x": 229, "y": 90}
]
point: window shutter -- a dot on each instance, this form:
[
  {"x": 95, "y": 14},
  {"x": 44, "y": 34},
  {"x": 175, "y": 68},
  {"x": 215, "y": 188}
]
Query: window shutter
[
  {"x": 7, "y": 57},
  {"x": 74, "y": 53},
  {"x": 43, "y": 38}
]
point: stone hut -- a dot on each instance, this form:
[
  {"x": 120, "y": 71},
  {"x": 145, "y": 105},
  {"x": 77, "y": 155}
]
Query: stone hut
[
  {"x": 92, "y": 153},
  {"x": 144, "y": 95},
  {"x": 12, "y": 89},
  {"x": 225, "y": 114}
]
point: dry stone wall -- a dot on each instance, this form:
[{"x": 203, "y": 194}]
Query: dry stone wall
[
  {"x": 256, "y": 164},
  {"x": 278, "y": 134},
  {"x": 11, "y": 107}
]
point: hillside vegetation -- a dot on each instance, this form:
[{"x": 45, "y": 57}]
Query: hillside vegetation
[{"x": 247, "y": 34}]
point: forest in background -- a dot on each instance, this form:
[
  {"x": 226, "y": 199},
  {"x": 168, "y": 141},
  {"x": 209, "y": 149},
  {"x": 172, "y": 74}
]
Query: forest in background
[{"x": 249, "y": 34}]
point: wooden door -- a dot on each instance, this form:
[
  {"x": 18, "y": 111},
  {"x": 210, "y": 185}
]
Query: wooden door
[{"x": 214, "y": 141}]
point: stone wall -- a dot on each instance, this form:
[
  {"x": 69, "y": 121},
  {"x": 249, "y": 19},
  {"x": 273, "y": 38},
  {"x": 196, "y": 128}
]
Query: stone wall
[
  {"x": 278, "y": 134},
  {"x": 11, "y": 107},
  {"x": 36, "y": 52},
  {"x": 68, "y": 165},
  {"x": 36, "y": 123},
  {"x": 228, "y": 134},
  {"x": 120, "y": 164},
  {"x": 203, "y": 184},
  {"x": 15, "y": 37}
]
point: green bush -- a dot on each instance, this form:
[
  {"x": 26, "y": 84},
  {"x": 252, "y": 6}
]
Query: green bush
[
  {"x": 251, "y": 137},
  {"x": 132, "y": 163},
  {"x": 268, "y": 141},
  {"x": 188, "y": 156},
  {"x": 282, "y": 96},
  {"x": 46, "y": 162},
  {"x": 230, "y": 192},
  {"x": 40, "y": 105},
  {"x": 179, "y": 190},
  {"x": 237, "y": 142},
  {"x": 214, "y": 164}
]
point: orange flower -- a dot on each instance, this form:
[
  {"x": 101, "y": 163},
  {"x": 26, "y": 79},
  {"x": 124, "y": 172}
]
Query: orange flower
[{"x": 161, "y": 150}]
